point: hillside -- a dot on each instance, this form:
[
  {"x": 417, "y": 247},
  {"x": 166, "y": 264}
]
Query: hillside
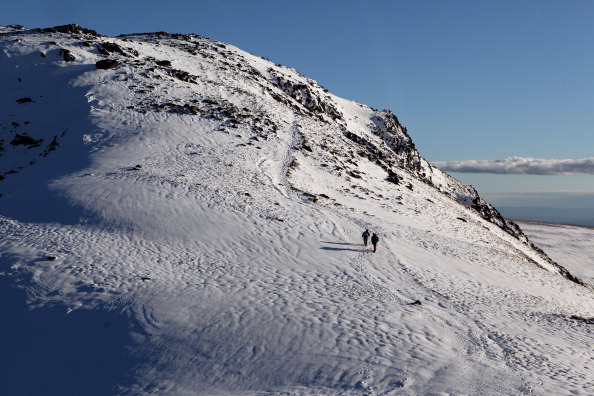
[{"x": 181, "y": 217}]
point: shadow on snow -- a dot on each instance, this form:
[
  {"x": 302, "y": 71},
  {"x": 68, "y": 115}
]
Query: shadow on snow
[{"x": 343, "y": 246}]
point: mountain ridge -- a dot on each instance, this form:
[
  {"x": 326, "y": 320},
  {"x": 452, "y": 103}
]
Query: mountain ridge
[{"x": 398, "y": 153}]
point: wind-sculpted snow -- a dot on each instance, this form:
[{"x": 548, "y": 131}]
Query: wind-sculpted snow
[{"x": 196, "y": 231}]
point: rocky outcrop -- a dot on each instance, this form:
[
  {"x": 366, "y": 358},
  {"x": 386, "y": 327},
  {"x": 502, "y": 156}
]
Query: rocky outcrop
[
  {"x": 396, "y": 138},
  {"x": 71, "y": 29},
  {"x": 107, "y": 48},
  {"x": 307, "y": 97}
]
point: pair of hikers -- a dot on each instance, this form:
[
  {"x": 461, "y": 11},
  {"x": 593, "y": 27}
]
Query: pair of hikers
[{"x": 374, "y": 239}]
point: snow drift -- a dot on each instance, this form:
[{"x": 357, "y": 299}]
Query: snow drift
[{"x": 181, "y": 217}]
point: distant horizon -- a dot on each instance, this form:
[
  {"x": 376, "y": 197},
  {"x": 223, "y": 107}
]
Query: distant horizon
[
  {"x": 547, "y": 215},
  {"x": 559, "y": 207}
]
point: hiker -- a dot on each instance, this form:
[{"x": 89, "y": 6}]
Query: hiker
[
  {"x": 365, "y": 237},
  {"x": 374, "y": 241}
]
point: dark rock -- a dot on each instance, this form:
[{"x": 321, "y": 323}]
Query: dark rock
[
  {"x": 67, "y": 55},
  {"x": 393, "y": 177},
  {"x": 353, "y": 173},
  {"x": 71, "y": 28},
  {"x": 306, "y": 96},
  {"x": 581, "y": 319},
  {"x": 107, "y": 64},
  {"x": 25, "y": 100},
  {"x": 107, "y": 48},
  {"x": 111, "y": 48},
  {"x": 50, "y": 147},
  {"x": 21, "y": 140},
  {"x": 183, "y": 76}
]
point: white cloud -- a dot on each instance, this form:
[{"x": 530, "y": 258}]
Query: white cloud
[{"x": 519, "y": 165}]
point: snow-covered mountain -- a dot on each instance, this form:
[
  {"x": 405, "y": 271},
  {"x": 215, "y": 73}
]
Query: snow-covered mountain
[{"x": 181, "y": 217}]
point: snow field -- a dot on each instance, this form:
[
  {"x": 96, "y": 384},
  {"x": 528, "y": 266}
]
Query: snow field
[
  {"x": 570, "y": 246},
  {"x": 221, "y": 269}
]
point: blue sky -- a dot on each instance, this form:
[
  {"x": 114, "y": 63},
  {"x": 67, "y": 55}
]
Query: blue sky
[{"x": 478, "y": 81}]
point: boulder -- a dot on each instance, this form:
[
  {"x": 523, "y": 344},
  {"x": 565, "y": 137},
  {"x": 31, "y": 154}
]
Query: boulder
[
  {"x": 67, "y": 55},
  {"x": 109, "y": 48},
  {"x": 107, "y": 64}
]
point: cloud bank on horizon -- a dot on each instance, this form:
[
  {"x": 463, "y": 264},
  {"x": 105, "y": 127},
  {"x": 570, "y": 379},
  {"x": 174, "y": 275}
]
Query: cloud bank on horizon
[{"x": 520, "y": 165}]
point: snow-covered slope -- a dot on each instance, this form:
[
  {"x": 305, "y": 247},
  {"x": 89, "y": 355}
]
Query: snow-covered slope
[
  {"x": 188, "y": 222},
  {"x": 570, "y": 246}
]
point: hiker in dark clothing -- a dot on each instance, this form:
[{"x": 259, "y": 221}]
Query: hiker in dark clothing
[
  {"x": 374, "y": 241},
  {"x": 365, "y": 237}
]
